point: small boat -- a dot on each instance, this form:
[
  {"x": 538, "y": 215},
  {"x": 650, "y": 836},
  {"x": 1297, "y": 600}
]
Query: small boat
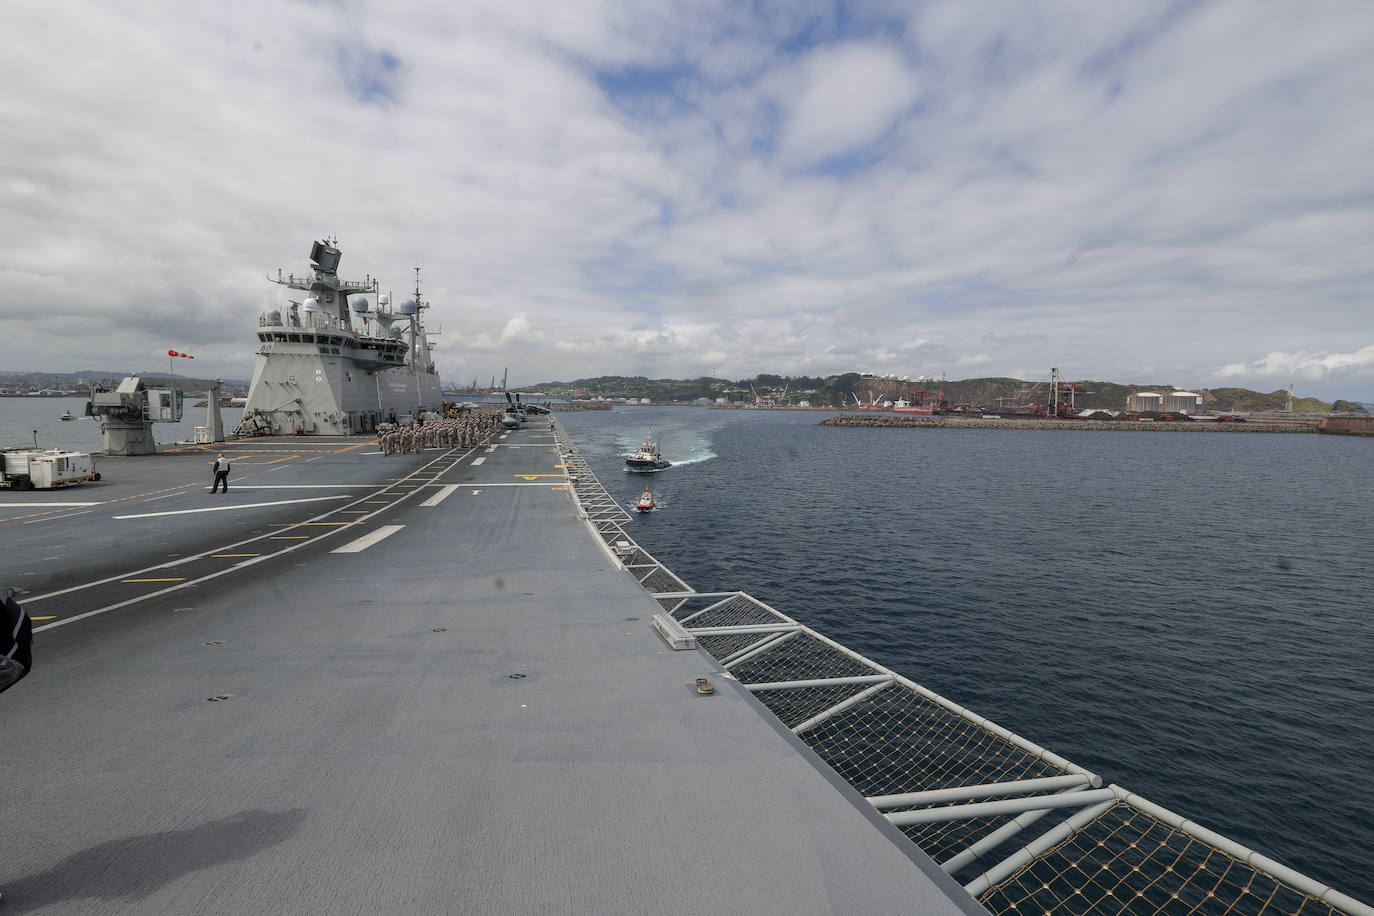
[
  {"x": 646, "y": 502},
  {"x": 647, "y": 458},
  {"x": 67, "y": 416}
]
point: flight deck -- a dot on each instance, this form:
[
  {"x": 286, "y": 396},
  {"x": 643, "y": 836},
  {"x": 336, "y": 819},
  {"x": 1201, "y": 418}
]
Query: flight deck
[{"x": 413, "y": 683}]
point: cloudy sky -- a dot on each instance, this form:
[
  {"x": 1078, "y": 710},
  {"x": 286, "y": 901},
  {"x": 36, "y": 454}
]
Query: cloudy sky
[{"x": 1141, "y": 192}]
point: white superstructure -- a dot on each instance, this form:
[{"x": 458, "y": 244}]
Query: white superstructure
[{"x": 319, "y": 373}]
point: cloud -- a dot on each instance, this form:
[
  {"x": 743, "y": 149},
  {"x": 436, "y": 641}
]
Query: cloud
[
  {"x": 842, "y": 99},
  {"x": 674, "y": 190},
  {"x": 1309, "y": 367}
]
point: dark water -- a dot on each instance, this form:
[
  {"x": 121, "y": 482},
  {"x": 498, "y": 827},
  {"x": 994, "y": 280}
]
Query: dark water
[{"x": 1186, "y": 614}]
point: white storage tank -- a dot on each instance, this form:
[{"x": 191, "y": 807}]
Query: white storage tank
[
  {"x": 1145, "y": 402},
  {"x": 1183, "y": 402}
]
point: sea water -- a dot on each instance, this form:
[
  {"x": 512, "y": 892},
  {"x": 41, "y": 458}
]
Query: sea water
[{"x": 1186, "y": 614}]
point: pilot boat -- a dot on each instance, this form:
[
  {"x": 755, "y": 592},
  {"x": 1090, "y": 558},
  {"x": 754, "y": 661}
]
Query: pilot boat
[{"x": 647, "y": 458}]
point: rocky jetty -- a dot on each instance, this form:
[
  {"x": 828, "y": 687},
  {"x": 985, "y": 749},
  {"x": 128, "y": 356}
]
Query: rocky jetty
[{"x": 1188, "y": 426}]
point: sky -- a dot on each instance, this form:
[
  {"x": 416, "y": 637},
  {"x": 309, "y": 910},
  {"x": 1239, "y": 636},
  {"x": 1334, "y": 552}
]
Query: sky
[{"x": 1142, "y": 192}]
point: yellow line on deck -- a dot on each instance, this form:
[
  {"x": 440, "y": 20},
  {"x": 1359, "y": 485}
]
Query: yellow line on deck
[{"x": 42, "y": 618}]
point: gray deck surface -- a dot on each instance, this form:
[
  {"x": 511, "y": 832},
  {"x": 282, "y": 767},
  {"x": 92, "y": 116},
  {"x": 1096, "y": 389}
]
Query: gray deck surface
[{"x": 374, "y": 753}]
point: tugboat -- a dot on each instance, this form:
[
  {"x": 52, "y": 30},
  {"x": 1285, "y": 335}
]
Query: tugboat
[
  {"x": 647, "y": 458},
  {"x": 646, "y": 502}
]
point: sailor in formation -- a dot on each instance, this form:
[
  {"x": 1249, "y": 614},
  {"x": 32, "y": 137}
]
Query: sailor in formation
[{"x": 468, "y": 430}]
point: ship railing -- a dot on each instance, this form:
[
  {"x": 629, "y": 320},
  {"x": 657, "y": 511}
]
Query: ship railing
[
  {"x": 1022, "y": 828},
  {"x": 607, "y": 518}
]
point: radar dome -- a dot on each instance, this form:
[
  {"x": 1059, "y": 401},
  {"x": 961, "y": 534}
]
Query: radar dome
[
  {"x": 383, "y": 299},
  {"x": 311, "y": 305},
  {"x": 409, "y": 307},
  {"x": 361, "y": 305}
]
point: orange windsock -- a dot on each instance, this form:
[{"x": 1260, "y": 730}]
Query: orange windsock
[{"x": 175, "y": 353}]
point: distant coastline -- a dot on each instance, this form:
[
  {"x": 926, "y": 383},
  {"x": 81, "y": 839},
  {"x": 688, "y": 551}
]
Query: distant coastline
[{"x": 886, "y": 421}]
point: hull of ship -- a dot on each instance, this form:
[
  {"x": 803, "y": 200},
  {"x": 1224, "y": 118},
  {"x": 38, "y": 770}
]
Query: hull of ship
[
  {"x": 632, "y": 464},
  {"x": 303, "y": 394}
]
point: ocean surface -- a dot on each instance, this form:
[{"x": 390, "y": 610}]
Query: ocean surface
[
  {"x": 21, "y": 418},
  {"x": 1186, "y": 614}
]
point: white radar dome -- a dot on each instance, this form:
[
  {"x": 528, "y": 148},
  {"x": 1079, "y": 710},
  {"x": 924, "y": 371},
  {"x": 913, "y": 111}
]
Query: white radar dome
[
  {"x": 383, "y": 299},
  {"x": 311, "y": 305},
  {"x": 361, "y": 305},
  {"x": 409, "y": 307}
]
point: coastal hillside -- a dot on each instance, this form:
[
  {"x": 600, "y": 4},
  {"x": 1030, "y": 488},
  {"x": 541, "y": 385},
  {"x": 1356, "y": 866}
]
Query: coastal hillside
[{"x": 852, "y": 389}]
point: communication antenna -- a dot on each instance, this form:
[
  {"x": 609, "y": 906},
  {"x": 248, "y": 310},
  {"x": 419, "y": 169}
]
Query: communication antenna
[{"x": 1290, "y": 398}]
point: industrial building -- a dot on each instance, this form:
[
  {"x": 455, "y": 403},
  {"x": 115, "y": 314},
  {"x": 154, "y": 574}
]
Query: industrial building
[
  {"x": 1182, "y": 402},
  {"x": 1145, "y": 402}
]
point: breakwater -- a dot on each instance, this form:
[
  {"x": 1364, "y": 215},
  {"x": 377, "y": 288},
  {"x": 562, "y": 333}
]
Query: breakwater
[
  {"x": 1348, "y": 426},
  {"x": 898, "y": 420}
]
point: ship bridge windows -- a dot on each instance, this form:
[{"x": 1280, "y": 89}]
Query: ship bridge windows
[
  {"x": 293, "y": 338},
  {"x": 279, "y": 336}
]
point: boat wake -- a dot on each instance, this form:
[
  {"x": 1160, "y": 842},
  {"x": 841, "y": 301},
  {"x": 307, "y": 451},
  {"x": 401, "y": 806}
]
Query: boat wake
[{"x": 694, "y": 459}]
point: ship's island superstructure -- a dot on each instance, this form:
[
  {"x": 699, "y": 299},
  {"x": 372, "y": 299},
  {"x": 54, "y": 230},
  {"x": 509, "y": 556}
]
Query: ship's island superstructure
[{"x": 320, "y": 374}]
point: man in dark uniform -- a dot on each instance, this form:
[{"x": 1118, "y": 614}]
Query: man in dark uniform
[{"x": 221, "y": 465}]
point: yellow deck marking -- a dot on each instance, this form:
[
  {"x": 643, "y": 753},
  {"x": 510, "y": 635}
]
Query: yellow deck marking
[
  {"x": 182, "y": 579},
  {"x": 376, "y": 502},
  {"x": 533, "y": 476},
  {"x": 42, "y": 618},
  {"x": 220, "y": 556}
]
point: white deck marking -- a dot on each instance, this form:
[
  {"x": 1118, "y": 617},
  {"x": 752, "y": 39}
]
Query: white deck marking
[
  {"x": 280, "y": 502},
  {"x": 443, "y": 494},
  {"x": 57, "y": 517},
  {"x": 304, "y": 486},
  {"x": 477, "y": 461},
  {"x": 368, "y": 540},
  {"x": 26, "y": 505}
]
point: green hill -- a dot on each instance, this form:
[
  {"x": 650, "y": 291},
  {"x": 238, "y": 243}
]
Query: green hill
[{"x": 839, "y": 390}]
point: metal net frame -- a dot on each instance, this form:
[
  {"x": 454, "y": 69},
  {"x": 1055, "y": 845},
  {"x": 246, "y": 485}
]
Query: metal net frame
[{"x": 1027, "y": 831}]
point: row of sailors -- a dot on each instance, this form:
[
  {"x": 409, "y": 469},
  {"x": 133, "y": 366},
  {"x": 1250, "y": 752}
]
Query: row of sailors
[{"x": 476, "y": 427}]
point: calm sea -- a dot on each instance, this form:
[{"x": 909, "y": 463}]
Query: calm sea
[
  {"x": 1186, "y": 614},
  {"x": 21, "y": 418}
]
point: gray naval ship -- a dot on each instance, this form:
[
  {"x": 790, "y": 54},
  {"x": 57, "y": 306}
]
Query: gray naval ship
[
  {"x": 341, "y": 360},
  {"x": 451, "y": 681}
]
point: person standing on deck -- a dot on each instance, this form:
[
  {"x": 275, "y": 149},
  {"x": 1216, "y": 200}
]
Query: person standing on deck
[{"x": 221, "y": 465}]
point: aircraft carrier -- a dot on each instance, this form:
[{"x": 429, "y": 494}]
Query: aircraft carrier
[
  {"x": 405, "y": 684},
  {"x": 450, "y": 681}
]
